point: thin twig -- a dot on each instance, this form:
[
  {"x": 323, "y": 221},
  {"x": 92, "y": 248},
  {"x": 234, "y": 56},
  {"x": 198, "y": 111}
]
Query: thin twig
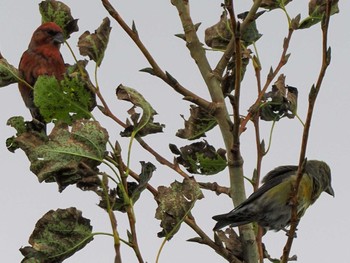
[
  {"x": 270, "y": 77},
  {"x": 113, "y": 220},
  {"x": 218, "y": 189},
  {"x": 157, "y": 71},
  {"x": 312, "y": 99},
  {"x": 129, "y": 208}
]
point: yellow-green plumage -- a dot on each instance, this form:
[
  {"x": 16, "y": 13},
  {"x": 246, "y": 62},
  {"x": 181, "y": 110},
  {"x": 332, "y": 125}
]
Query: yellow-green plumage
[{"x": 270, "y": 206}]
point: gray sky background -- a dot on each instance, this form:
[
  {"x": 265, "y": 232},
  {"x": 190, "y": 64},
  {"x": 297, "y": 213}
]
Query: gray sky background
[{"x": 323, "y": 232}]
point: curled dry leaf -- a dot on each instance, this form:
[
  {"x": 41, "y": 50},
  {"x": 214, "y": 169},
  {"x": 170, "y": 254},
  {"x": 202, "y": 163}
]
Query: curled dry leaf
[
  {"x": 94, "y": 45},
  {"x": 140, "y": 126},
  {"x": 280, "y": 102}
]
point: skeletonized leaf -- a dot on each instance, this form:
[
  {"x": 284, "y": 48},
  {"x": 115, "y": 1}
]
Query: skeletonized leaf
[
  {"x": 58, "y": 12},
  {"x": 175, "y": 202},
  {"x": 78, "y": 72},
  {"x": 94, "y": 44},
  {"x": 57, "y": 236},
  {"x": 65, "y": 101}
]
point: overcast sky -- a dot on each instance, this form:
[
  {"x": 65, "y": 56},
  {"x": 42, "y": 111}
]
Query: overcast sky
[{"x": 323, "y": 232}]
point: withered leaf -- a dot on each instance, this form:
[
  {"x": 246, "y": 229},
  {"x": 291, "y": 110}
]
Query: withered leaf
[
  {"x": 250, "y": 34},
  {"x": 317, "y": 9},
  {"x": 219, "y": 35},
  {"x": 65, "y": 157},
  {"x": 199, "y": 122},
  {"x": 140, "y": 126},
  {"x": 8, "y": 73},
  {"x": 200, "y": 158},
  {"x": 94, "y": 45},
  {"x": 174, "y": 203},
  {"x": 57, "y": 236},
  {"x": 117, "y": 197},
  {"x": 229, "y": 79},
  {"x": 280, "y": 102}
]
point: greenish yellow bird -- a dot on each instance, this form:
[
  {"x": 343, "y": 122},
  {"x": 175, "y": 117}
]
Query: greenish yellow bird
[{"x": 270, "y": 207}]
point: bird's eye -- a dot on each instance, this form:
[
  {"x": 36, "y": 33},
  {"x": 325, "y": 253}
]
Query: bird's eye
[{"x": 51, "y": 32}]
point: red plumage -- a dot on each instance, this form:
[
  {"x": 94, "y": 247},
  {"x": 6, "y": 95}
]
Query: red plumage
[{"x": 42, "y": 57}]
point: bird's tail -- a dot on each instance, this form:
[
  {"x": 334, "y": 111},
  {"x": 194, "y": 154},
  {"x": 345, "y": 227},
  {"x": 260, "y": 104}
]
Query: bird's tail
[
  {"x": 222, "y": 221},
  {"x": 232, "y": 218}
]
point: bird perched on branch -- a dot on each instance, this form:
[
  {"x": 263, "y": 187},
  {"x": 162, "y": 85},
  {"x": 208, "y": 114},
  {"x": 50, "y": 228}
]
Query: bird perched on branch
[
  {"x": 270, "y": 205},
  {"x": 42, "y": 57}
]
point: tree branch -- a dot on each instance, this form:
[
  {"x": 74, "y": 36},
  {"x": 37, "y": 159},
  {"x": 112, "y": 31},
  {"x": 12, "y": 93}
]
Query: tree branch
[
  {"x": 221, "y": 115},
  {"x": 283, "y": 60},
  {"x": 312, "y": 100},
  {"x": 157, "y": 71}
]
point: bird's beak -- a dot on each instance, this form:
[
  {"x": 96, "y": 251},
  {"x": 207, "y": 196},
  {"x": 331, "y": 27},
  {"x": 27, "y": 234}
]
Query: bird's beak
[
  {"x": 59, "y": 39},
  {"x": 330, "y": 191}
]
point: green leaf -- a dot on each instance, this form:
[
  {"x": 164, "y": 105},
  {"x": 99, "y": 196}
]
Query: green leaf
[
  {"x": 183, "y": 36},
  {"x": 200, "y": 158},
  {"x": 273, "y": 4},
  {"x": 148, "y": 70},
  {"x": 317, "y": 10},
  {"x": 141, "y": 126},
  {"x": 251, "y": 33},
  {"x": 133, "y": 27},
  {"x": 175, "y": 203},
  {"x": 199, "y": 122},
  {"x": 94, "y": 45},
  {"x": 58, "y": 12},
  {"x": 66, "y": 157},
  {"x": 57, "y": 236},
  {"x": 64, "y": 101},
  {"x": 78, "y": 73},
  {"x": 8, "y": 73},
  {"x": 146, "y": 174}
]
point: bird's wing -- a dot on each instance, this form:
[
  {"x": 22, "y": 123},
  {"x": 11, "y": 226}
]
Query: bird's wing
[{"x": 271, "y": 179}]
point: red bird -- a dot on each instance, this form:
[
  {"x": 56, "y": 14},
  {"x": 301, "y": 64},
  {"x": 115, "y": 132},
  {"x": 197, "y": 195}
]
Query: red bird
[{"x": 42, "y": 57}]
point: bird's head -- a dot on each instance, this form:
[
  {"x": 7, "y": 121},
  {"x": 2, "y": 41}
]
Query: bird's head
[
  {"x": 321, "y": 174},
  {"x": 47, "y": 34}
]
